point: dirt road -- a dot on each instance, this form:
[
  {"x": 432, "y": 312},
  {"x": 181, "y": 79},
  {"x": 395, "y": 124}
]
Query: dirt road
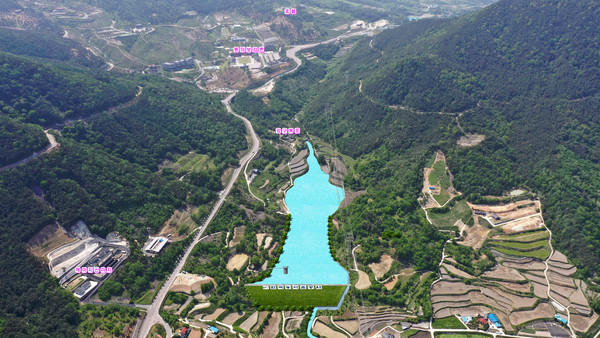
[{"x": 152, "y": 316}]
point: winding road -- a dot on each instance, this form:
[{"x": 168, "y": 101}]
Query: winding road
[
  {"x": 53, "y": 144},
  {"x": 152, "y": 316},
  {"x": 291, "y": 53}
]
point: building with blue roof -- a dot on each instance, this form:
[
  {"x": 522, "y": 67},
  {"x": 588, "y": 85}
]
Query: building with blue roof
[
  {"x": 494, "y": 319},
  {"x": 560, "y": 319},
  {"x": 213, "y": 329}
]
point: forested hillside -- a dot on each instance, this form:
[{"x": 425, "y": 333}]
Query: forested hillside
[
  {"x": 523, "y": 73},
  {"x": 47, "y": 45},
  {"x": 106, "y": 173},
  {"x": 45, "y": 94}
]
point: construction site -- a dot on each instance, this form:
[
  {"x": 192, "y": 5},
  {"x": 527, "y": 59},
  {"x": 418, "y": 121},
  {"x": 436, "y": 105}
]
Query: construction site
[{"x": 68, "y": 251}]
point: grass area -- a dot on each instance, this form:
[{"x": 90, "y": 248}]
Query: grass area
[
  {"x": 460, "y": 210},
  {"x": 439, "y": 168},
  {"x": 539, "y": 254},
  {"x": 448, "y": 323},
  {"x": 329, "y": 296},
  {"x": 520, "y": 245},
  {"x": 461, "y": 335},
  {"x": 271, "y": 188},
  {"x": 146, "y": 298},
  {"x": 526, "y": 237},
  {"x": 444, "y": 195},
  {"x": 407, "y": 333},
  {"x": 193, "y": 162},
  {"x": 244, "y": 59}
]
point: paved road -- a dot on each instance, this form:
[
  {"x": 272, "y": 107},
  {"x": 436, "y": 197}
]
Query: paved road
[
  {"x": 152, "y": 316},
  {"x": 291, "y": 53},
  {"x": 53, "y": 144}
]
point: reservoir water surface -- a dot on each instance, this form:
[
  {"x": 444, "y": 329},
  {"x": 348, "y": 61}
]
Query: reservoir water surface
[{"x": 306, "y": 251}]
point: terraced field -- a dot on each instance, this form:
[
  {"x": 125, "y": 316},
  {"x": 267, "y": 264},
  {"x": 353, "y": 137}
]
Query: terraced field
[
  {"x": 517, "y": 288},
  {"x": 539, "y": 253},
  {"x": 524, "y": 237}
]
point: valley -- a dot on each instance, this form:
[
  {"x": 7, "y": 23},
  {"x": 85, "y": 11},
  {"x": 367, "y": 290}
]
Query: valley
[{"x": 459, "y": 144}]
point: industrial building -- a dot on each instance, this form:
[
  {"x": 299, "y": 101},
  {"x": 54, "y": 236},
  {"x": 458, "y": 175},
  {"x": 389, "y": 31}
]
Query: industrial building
[
  {"x": 179, "y": 65},
  {"x": 155, "y": 245},
  {"x": 84, "y": 289}
]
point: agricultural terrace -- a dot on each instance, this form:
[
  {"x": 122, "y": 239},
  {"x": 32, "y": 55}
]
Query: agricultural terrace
[
  {"x": 437, "y": 184},
  {"x": 451, "y": 322},
  {"x": 330, "y": 295},
  {"x": 507, "y": 275},
  {"x": 447, "y": 217}
]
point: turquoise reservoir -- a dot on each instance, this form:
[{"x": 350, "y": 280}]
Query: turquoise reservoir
[{"x": 311, "y": 201}]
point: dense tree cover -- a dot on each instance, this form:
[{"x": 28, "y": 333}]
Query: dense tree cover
[
  {"x": 32, "y": 303},
  {"x": 325, "y": 51},
  {"x": 164, "y": 11},
  {"x": 44, "y": 94},
  {"x": 551, "y": 146},
  {"x": 105, "y": 173},
  {"x": 160, "y": 124},
  {"x": 18, "y": 140},
  {"x": 534, "y": 71},
  {"x": 424, "y": 83},
  {"x": 389, "y": 220},
  {"x": 510, "y": 49},
  {"x": 110, "y": 289},
  {"x": 42, "y": 44}
]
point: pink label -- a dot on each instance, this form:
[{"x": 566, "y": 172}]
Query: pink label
[
  {"x": 102, "y": 270},
  {"x": 297, "y": 130},
  {"x": 109, "y": 270},
  {"x": 293, "y": 11},
  {"x": 236, "y": 49},
  {"x": 96, "y": 270},
  {"x": 284, "y": 131},
  {"x": 254, "y": 49},
  {"x": 278, "y": 130},
  {"x": 77, "y": 270},
  {"x": 83, "y": 270},
  {"x": 290, "y": 130},
  {"x": 242, "y": 49},
  {"x": 286, "y": 11},
  {"x": 261, "y": 49}
]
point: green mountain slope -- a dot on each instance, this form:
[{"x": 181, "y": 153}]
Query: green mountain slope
[
  {"x": 105, "y": 172},
  {"x": 526, "y": 74}
]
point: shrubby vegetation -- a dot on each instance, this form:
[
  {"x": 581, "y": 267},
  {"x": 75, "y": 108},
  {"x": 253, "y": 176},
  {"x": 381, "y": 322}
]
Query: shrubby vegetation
[{"x": 111, "y": 319}]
